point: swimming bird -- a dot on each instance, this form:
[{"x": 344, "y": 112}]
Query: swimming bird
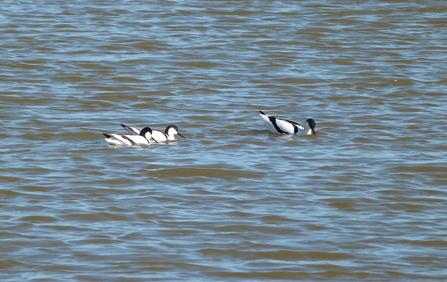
[
  {"x": 284, "y": 126},
  {"x": 159, "y": 136},
  {"x": 144, "y": 137}
]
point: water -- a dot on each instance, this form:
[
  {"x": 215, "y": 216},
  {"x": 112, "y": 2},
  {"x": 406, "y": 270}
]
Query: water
[{"x": 364, "y": 199}]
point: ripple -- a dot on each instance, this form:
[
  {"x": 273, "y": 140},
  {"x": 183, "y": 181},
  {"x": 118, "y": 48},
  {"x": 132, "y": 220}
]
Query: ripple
[{"x": 362, "y": 200}]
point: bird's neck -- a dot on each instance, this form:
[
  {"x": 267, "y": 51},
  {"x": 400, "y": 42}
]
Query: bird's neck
[{"x": 307, "y": 130}]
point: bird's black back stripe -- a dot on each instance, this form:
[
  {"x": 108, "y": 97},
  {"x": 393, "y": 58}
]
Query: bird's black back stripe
[
  {"x": 295, "y": 125},
  {"x": 292, "y": 122},
  {"x": 273, "y": 121},
  {"x": 130, "y": 140}
]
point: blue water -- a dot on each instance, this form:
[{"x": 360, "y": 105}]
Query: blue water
[{"x": 363, "y": 199}]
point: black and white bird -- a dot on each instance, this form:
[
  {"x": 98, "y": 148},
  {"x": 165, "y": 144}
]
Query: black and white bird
[
  {"x": 144, "y": 137},
  {"x": 284, "y": 126},
  {"x": 159, "y": 136}
]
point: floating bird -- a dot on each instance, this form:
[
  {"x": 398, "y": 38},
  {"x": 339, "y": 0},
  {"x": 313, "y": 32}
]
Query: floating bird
[
  {"x": 283, "y": 126},
  {"x": 144, "y": 137},
  {"x": 159, "y": 136}
]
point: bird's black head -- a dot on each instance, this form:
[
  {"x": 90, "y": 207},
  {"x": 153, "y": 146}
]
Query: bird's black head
[
  {"x": 174, "y": 127},
  {"x": 312, "y": 125},
  {"x": 171, "y": 126},
  {"x": 145, "y": 130}
]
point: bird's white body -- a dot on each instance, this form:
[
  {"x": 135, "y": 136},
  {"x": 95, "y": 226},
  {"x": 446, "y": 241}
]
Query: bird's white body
[
  {"x": 159, "y": 136},
  {"x": 143, "y": 138},
  {"x": 284, "y": 126}
]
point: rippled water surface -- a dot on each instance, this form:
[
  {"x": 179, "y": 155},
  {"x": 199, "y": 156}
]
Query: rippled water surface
[{"x": 364, "y": 199}]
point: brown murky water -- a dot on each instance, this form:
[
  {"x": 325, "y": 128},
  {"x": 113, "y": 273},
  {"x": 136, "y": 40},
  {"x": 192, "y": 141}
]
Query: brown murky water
[{"x": 364, "y": 199}]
